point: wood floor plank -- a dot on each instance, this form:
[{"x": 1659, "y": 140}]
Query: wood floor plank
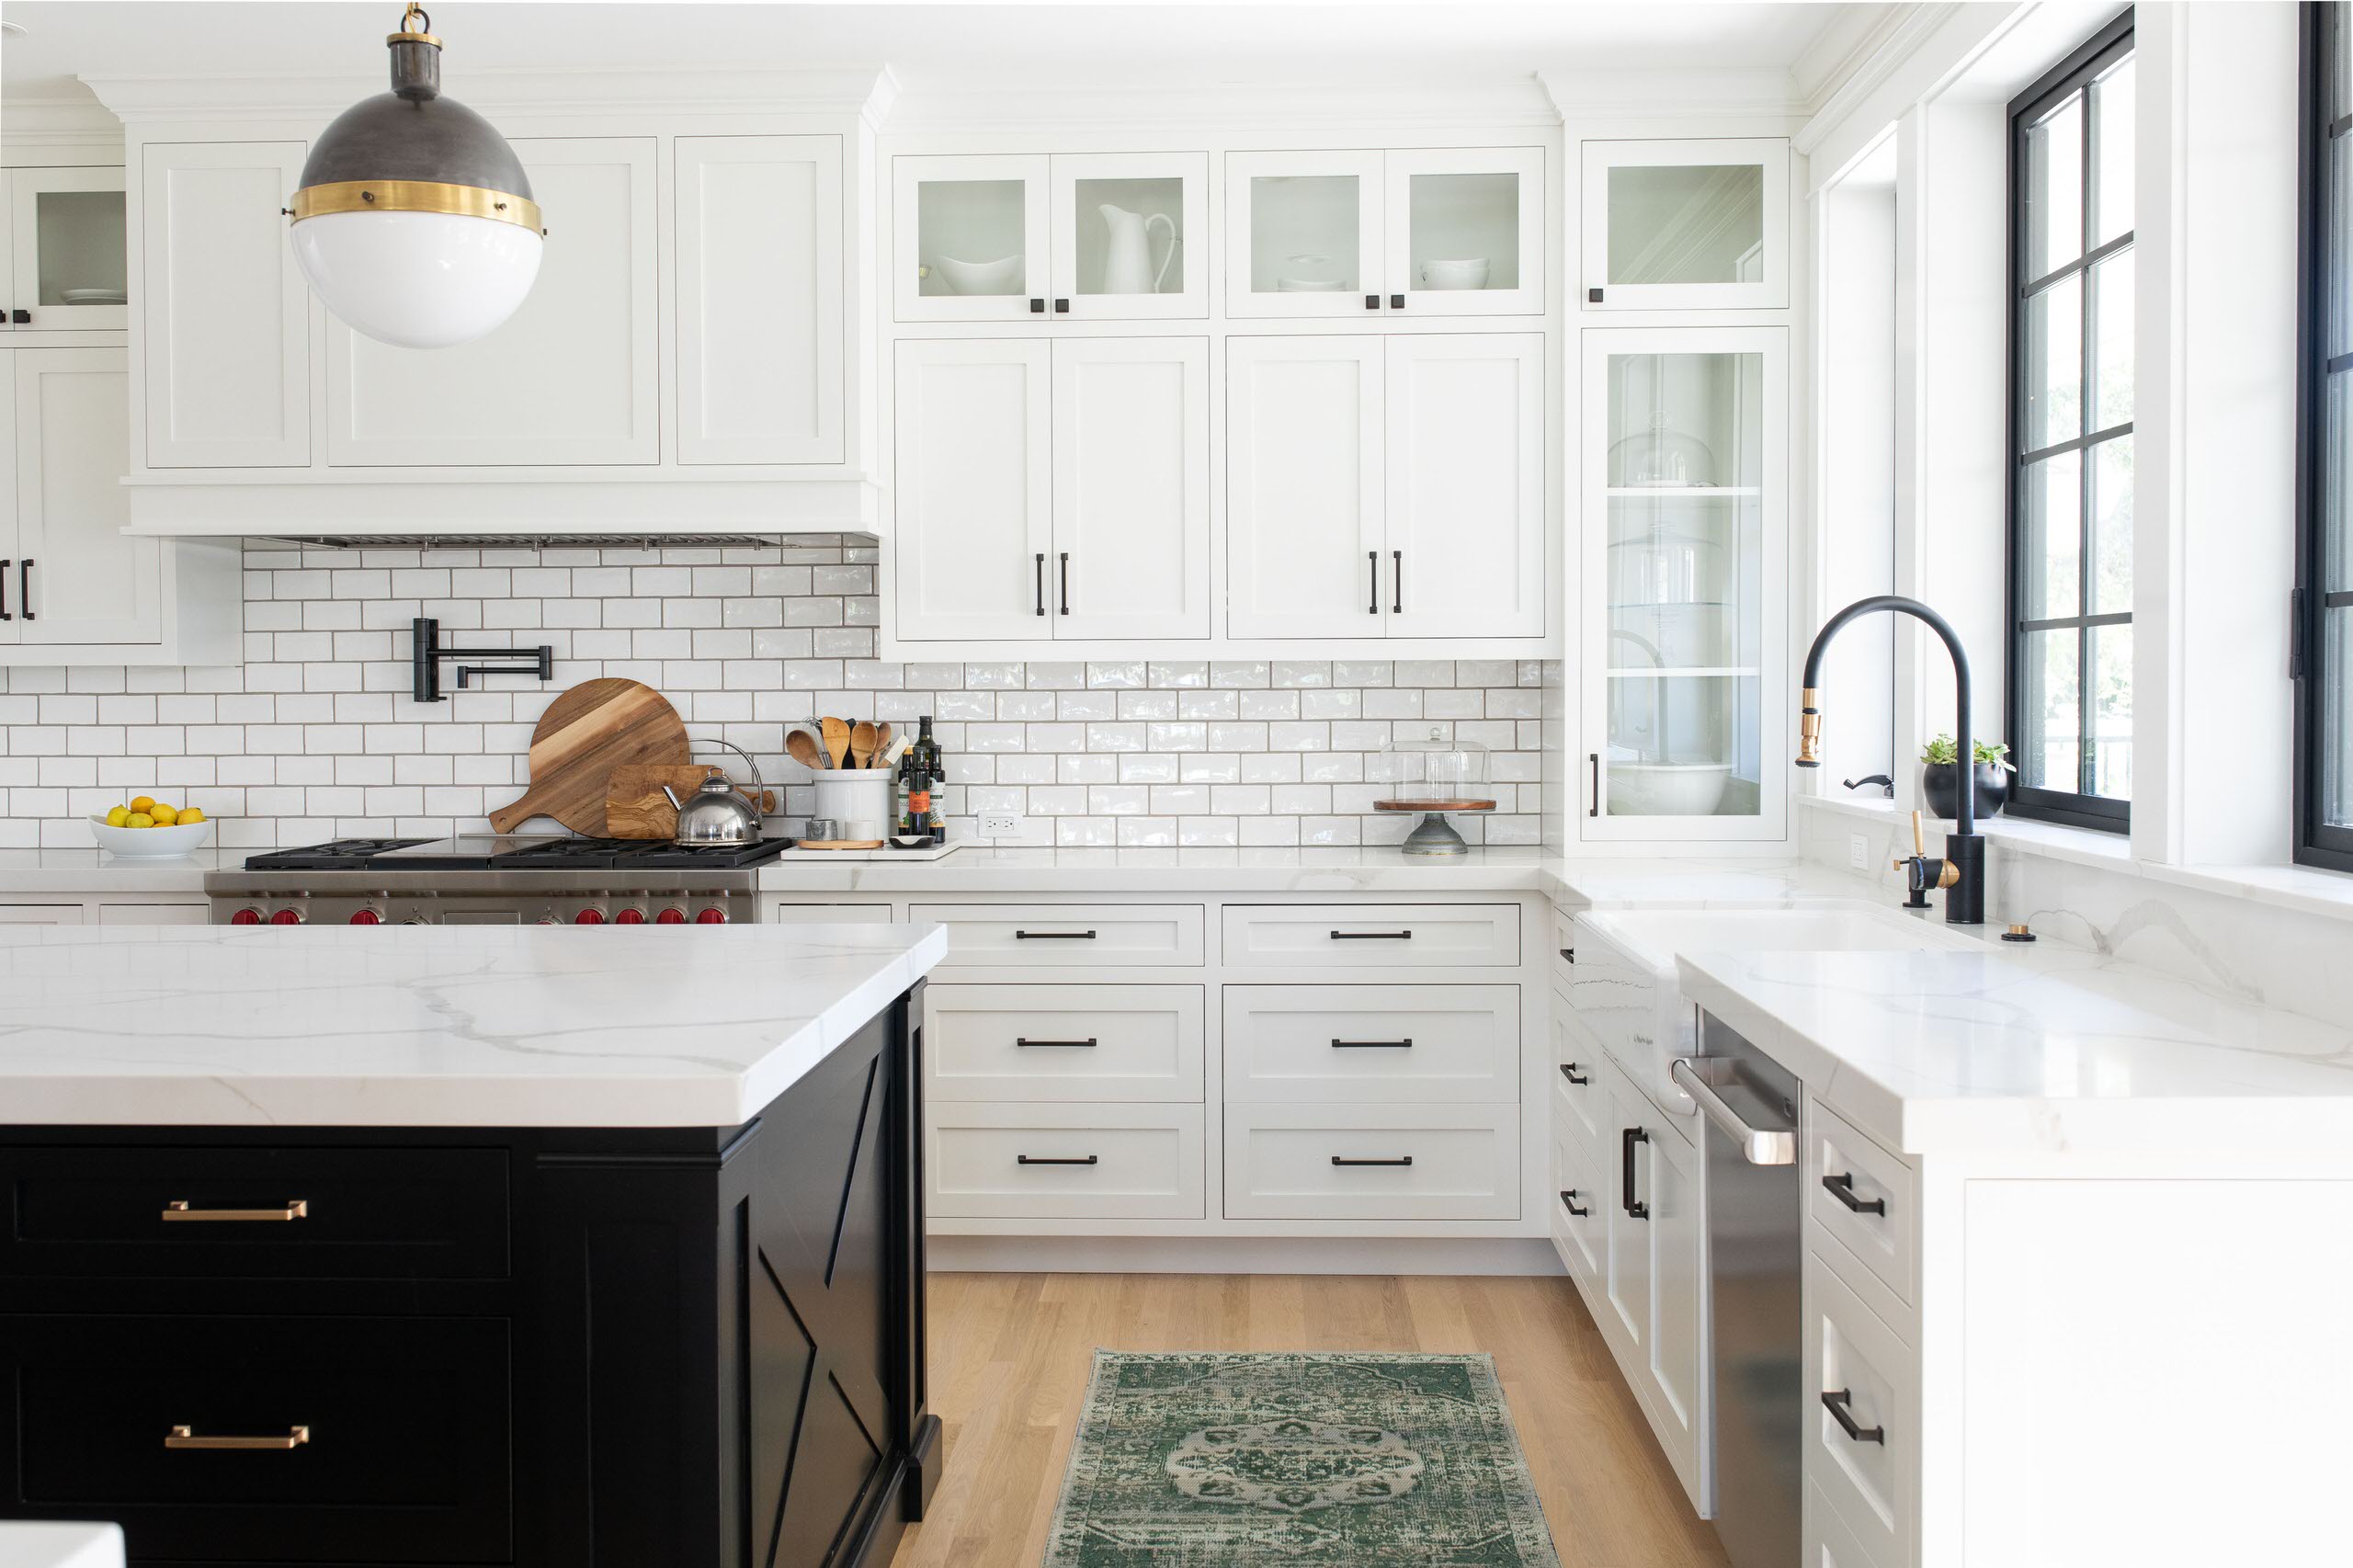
[{"x": 1011, "y": 1355}]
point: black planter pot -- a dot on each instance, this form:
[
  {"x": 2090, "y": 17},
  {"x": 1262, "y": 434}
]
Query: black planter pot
[{"x": 1940, "y": 789}]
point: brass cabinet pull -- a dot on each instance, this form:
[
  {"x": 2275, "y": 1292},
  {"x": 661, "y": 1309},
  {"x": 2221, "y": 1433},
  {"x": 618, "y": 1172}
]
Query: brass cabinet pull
[
  {"x": 296, "y": 1209},
  {"x": 186, "y": 1437}
]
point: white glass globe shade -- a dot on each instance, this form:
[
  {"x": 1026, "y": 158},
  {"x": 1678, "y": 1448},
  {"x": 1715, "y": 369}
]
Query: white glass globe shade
[{"x": 418, "y": 279}]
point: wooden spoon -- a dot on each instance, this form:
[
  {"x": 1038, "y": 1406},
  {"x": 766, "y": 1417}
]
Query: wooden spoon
[
  {"x": 803, "y": 745},
  {"x": 861, "y": 743},
  {"x": 836, "y": 740},
  {"x": 881, "y": 741}
]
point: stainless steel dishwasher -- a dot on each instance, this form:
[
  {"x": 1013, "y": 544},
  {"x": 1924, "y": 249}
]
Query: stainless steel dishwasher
[{"x": 1751, "y": 1106}]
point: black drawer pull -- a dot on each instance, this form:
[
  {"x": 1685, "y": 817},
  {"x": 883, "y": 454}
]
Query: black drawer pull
[
  {"x": 4, "y": 590},
  {"x": 1053, "y": 1160},
  {"x": 294, "y": 1209},
  {"x": 1569, "y": 954},
  {"x": 1569, "y": 1071},
  {"x": 186, "y": 1437},
  {"x": 1372, "y": 936},
  {"x": 1837, "y": 1404},
  {"x": 1568, "y": 1201},
  {"x": 1042, "y": 582},
  {"x": 1400, "y": 1160},
  {"x": 1028, "y": 1044},
  {"x": 1053, "y": 936},
  {"x": 25, "y": 587},
  {"x": 1626, "y": 1139},
  {"x": 1373, "y": 563},
  {"x": 1842, "y": 1188},
  {"x": 1372, "y": 1044}
]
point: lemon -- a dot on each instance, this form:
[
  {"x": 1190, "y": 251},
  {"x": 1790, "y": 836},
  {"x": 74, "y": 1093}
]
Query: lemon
[
  {"x": 118, "y": 816},
  {"x": 165, "y": 816},
  {"x": 143, "y": 803},
  {"x": 190, "y": 817},
  {"x": 138, "y": 819}
]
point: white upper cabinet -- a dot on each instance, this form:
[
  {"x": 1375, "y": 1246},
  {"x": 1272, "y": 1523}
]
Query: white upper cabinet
[
  {"x": 227, "y": 335},
  {"x": 571, "y": 378},
  {"x": 1466, "y": 484},
  {"x": 1456, "y": 231},
  {"x": 1074, "y": 236},
  {"x": 68, "y": 264},
  {"x": 1054, "y": 490},
  {"x": 1682, "y": 225},
  {"x": 1303, "y": 485},
  {"x": 760, "y": 327},
  {"x": 77, "y": 579}
]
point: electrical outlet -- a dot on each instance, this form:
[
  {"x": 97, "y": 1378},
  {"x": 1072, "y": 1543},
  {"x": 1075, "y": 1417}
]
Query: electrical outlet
[
  {"x": 1000, "y": 824},
  {"x": 1858, "y": 851}
]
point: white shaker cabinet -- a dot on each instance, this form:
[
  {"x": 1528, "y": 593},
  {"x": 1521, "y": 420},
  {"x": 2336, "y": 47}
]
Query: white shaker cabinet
[
  {"x": 1303, "y": 486},
  {"x": 570, "y": 378},
  {"x": 760, "y": 324},
  {"x": 226, "y": 334},
  {"x": 1053, "y": 490},
  {"x": 1466, "y": 485},
  {"x": 1652, "y": 1273}
]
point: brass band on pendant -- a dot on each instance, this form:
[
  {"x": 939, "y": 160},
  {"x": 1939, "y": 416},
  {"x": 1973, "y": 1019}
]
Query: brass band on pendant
[{"x": 416, "y": 196}]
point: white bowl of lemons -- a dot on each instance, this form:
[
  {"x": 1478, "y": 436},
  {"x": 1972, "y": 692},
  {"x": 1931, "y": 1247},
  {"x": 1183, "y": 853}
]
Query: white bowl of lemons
[{"x": 149, "y": 829}]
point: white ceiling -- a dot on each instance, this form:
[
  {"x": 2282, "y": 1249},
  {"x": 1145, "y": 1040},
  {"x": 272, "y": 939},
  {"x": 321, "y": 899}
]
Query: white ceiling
[{"x": 927, "y": 45}]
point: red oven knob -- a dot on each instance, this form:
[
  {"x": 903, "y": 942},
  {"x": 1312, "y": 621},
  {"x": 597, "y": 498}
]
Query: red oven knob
[
  {"x": 630, "y": 918},
  {"x": 589, "y": 918},
  {"x": 287, "y": 917},
  {"x": 245, "y": 917},
  {"x": 671, "y": 916},
  {"x": 712, "y": 917},
  {"x": 367, "y": 917}
]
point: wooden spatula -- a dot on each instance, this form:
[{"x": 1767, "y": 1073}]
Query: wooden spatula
[{"x": 836, "y": 740}]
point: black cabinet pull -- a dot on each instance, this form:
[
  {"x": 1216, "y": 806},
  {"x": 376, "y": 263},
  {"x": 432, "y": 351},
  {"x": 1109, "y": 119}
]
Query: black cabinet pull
[
  {"x": 1053, "y": 936},
  {"x": 1568, "y": 1201},
  {"x": 1042, "y": 582},
  {"x": 1593, "y": 296},
  {"x": 1593, "y": 796},
  {"x": 1065, "y": 554},
  {"x": 25, "y": 589},
  {"x": 1569, "y": 1071},
  {"x": 1569, "y": 954},
  {"x": 1400, "y": 1160},
  {"x": 1372, "y": 936},
  {"x": 1397, "y": 582},
  {"x": 1372, "y": 301},
  {"x": 1062, "y": 307},
  {"x": 1842, "y": 1188},
  {"x": 1026, "y": 1044},
  {"x": 1057, "y": 1160},
  {"x": 1839, "y": 1405},
  {"x": 1372, "y": 1045},
  {"x": 1396, "y": 301},
  {"x": 1037, "y": 307},
  {"x": 1626, "y": 1142},
  {"x": 1373, "y": 567},
  {"x": 22, "y": 318},
  {"x": 4, "y": 590}
]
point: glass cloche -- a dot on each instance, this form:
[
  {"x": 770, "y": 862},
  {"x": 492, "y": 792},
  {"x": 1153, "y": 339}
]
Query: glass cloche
[{"x": 1434, "y": 775}]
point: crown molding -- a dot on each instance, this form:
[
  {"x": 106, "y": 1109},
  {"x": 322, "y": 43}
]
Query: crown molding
[
  {"x": 1684, "y": 97},
  {"x": 51, "y": 122},
  {"x": 1019, "y": 107},
  {"x": 865, "y": 91},
  {"x": 1844, "y": 77}
]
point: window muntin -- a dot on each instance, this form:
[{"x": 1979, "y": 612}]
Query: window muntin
[{"x": 2324, "y": 557}]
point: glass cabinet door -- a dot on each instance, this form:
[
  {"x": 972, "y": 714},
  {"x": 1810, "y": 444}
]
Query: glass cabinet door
[
  {"x": 1304, "y": 234},
  {"x": 1685, "y": 713},
  {"x": 970, "y": 238},
  {"x": 1701, "y": 224},
  {"x": 1466, "y": 231},
  {"x": 70, "y": 271},
  {"x": 1126, "y": 230}
]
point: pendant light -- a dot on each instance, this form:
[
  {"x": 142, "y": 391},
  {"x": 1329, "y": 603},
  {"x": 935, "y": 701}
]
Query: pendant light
[{"x": 415, "y": 223}]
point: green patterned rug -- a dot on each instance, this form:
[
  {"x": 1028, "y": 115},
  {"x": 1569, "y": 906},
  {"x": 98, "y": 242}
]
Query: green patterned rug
[{"x": 1221, "y": 1461}]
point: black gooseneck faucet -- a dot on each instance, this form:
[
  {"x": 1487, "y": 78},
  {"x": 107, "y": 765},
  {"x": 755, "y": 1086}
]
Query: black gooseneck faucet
[{"x": 1961, "y": 872}]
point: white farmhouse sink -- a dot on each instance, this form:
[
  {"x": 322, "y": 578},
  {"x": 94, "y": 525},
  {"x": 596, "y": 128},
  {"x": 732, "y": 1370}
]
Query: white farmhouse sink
[{"x": 1622, "y": 985}]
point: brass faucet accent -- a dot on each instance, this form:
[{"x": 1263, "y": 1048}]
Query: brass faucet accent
[
  {"x": 1809, "y": 727},
  {"x": 1925, "y": 873}
]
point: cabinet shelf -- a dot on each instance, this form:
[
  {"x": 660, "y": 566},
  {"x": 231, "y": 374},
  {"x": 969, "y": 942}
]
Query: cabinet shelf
[
  {"x": 1683, "y": 492},
  {"x": 1680, "y": 672}
]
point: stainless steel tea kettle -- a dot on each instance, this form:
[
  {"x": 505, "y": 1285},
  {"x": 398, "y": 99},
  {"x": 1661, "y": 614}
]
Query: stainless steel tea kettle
[{"x": 716, "y": 811}]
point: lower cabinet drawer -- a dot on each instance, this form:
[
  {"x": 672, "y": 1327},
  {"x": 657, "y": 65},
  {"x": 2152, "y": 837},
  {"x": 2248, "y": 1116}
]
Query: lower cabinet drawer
[
  {"x": 1371, "y": 936},
  {"x": 1062, "y": 1042},
  {"x": 1418, "y": 1043},
  {"x": 266, "y": 1439},
  {"x": 1372, "y": 1162},
  {"x": 1067, "y": 936},
  {"x": 1575, "y": 1079},
  {"x": 1578, "y": 1210},
  {"x": 224, "y": 1213},
  {"x": 1067, "y": 1162},
  {"x": 1860, "y": 1369}
]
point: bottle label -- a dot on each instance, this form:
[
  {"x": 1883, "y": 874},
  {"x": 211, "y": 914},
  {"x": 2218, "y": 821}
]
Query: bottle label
[{"x": 918, "y": 803}]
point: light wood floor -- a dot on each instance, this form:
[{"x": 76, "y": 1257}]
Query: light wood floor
[{"x": 1010, "y": 1355}]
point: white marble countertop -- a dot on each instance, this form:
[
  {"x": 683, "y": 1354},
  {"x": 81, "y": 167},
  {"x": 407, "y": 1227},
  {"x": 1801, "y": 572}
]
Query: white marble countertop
[
  {"x": 92, "y": 873},
  {"x": 431, "y": 1025},
  {"x": 2044, "y": 1048},
  {"x": 1351, "y": 869}
]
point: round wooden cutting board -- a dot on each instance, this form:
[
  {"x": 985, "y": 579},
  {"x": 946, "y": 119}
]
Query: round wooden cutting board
[{"x": 595, "y": 727}]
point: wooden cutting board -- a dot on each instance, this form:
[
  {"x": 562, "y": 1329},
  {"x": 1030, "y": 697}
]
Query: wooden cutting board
[
  {"x": 636, "y": 808},
  {"x": 595, "y": 727}
]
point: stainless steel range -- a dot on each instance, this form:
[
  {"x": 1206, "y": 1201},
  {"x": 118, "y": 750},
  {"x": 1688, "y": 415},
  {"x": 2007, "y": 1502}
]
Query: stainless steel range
[{"x": 494, "y": 880}]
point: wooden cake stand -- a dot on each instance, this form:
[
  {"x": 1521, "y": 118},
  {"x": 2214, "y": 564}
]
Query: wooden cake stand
[{"x": 1435, "y": 835}]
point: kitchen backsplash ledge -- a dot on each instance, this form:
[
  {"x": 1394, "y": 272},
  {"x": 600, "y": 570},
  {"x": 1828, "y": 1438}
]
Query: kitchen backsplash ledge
[{"x": 316, "y": 736}]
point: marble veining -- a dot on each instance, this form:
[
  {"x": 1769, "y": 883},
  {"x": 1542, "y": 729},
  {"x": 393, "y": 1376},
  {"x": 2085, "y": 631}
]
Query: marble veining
[{"x": 432, "y": 1026}]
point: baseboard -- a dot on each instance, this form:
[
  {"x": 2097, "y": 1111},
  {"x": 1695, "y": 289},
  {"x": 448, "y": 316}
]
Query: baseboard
[{"x": 1241, "y": 1255}]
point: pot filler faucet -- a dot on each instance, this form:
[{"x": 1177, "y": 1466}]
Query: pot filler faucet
[{"x": 1961, "y": 872}]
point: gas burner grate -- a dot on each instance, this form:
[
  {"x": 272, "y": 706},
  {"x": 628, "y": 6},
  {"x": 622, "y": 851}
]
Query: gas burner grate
[{"x": 338, "y": 855}]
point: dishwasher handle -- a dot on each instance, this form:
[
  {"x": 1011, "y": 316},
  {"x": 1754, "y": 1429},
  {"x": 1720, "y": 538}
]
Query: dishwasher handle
[{"x": 1757, "y": 1145}]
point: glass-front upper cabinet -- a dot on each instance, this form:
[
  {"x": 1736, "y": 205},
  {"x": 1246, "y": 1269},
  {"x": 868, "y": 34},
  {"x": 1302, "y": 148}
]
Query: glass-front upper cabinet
[
  {"x": 1686, "y": 225},
  {"x": 68, "y": 264},
  {"x": 1453, "y": 232},
  {"x": 1074, "y": 236},
  {"x": 1685, "y": 712}
]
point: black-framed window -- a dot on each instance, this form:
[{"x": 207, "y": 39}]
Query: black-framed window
[
  {"x": 2323, "y": 633},
  {"x": 2070, "y": 693}
]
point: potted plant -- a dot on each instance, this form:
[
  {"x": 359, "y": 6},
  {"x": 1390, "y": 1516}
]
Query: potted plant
[{"x": 1940, "y": 776}]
